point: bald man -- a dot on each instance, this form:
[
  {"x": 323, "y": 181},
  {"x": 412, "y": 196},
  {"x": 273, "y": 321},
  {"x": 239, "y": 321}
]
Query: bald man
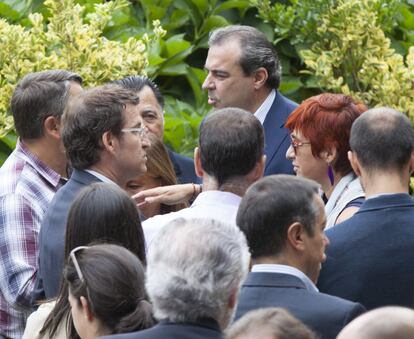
[{"x": 390, "y": 322}]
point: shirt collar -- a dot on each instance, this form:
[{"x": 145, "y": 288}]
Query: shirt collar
[
  {"x": 100, "y": 176},
  {"x": 275, "y": 268},
  {"x": 225, "y": 198},
  {"x": 45, "y": 171},
  {"x": 264, "y": 108}
]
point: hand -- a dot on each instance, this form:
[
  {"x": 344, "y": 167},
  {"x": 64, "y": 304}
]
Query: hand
[{"x": 168, "y": 195}]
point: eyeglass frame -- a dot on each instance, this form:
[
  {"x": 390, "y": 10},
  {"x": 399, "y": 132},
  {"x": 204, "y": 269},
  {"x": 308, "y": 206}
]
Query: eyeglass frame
[
  {"x": 296, "y": 143},
  {"x": 75, "y": 261},
  {"x": 141, "y": 131}
]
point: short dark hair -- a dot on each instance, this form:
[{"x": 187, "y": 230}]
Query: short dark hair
[
  {"x": 38, "y": 96},
  {"x": 382, "y": 139},
  {"x": 273, "y": 321},
  {"x": 88, "y": 116},
  {"x": 270, "y": 206},
  {"x": 231, "y": 143},
  {"x": 256, "y": 50},
  {"x": 137, "y": 83},
  {"x": 102, "y": 212},
  {"x": 114, "y": 285}
]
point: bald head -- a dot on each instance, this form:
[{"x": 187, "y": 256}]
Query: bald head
[
  {"x": 383, "y": 139},
  {"x": 383, "y": 323}
]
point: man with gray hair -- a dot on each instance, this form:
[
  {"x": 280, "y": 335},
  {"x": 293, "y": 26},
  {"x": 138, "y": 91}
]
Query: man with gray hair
[
  {"x": 244, "y": 71},
  {"x": 194, "y": 272},
  {"x": 371, "y": 256}
]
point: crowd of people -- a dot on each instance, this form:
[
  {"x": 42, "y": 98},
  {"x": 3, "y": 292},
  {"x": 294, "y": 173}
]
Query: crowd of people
[{"x": 292, "y": 221}]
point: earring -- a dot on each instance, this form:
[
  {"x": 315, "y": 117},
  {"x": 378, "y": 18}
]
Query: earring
[{"x": 330, "y": 174}]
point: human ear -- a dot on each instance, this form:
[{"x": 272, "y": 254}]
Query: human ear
[
  {"x": 109, "y": 142},
  {"x": 354, "y": 163},
  {"x": 197, "y": 163},
  {"x": 295, "y": 238},
  {"x": 51, "y": 126},
  {"x": 260, "y": 77},
  {"x": 86, "y": 309}
]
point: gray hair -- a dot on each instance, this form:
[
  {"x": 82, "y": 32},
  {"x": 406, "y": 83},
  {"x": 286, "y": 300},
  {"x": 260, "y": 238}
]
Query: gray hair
[
  {"x": 193, "y": 267},
  {"x": 256, "y": 50}
]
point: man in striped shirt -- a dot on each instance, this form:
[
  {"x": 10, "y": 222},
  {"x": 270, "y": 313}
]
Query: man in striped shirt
[{"x": 28, "y": 180}]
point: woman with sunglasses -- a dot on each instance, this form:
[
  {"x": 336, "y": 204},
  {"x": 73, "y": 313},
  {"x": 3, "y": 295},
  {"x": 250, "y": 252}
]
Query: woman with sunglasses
[
  {"x": 106, "y": 291},
  {"x": 101, "y": 213},
  {"x": 320, "y": 129}
]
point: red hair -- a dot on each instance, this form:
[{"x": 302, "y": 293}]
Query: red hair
[{"x": 326, "y": 120}]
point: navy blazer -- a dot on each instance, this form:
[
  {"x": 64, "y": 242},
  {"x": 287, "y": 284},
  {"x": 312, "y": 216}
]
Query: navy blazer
[
  {"x": 183, "y": 168},
  {"x": 371, "y": 255},
  {"x": 52, "y": 234},
  {"x": 277, "y": 139},
  {"x": 206, "y": 328},
  {"x": 324, "y": 314}
]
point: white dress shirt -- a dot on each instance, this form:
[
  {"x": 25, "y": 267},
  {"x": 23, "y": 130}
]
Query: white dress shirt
[
  {"x": 216, "y": 205},
  {"x": 264, "y": 108}
]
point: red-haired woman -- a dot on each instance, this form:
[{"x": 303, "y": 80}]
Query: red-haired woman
[{"x": 320, "y": 129}]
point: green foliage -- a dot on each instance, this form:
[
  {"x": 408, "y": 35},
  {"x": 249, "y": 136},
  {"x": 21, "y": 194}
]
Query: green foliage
[
  {"x": 342, "y": 46},
  {"x": 103, "y": 41},
  {"x": 353, "y": 56},
  {"x": 70, "y": 39}
]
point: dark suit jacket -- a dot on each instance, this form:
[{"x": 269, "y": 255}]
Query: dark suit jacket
[
  {"x": 324, "y": 314},
  {"x": 52, "y": 234},
  {"x": 371, "y": 255},
  {"x": 207, "y": 328},
  {"x": 277, "y": 139},
  {"x": 183, "y": 168}
]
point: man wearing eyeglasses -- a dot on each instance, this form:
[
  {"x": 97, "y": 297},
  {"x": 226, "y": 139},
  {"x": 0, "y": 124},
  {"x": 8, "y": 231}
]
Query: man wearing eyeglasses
[{"x": 105, "y": 140}]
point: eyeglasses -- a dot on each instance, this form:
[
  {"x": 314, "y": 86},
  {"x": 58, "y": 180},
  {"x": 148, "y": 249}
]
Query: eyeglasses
[
  {"x": 296, "y": 143},
  {"x": 141, "y": 131},
  {"x": 75, "y": 261}
]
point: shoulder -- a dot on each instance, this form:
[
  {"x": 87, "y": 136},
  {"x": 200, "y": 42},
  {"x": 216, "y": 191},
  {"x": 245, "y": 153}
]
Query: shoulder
[
  {"x": 281, "y": 100},
  {"x": 37, "y": 319}
]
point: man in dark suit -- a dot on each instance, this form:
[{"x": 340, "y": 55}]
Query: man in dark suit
[
  {"x": 151, "y": 105},
  {"x": 283, "y": 219},
  {"x": 194, "y": 272},
  {"x": 371, "y": 255},
  {"x": 244, "y": 71},
  {"x": 105, "y": 140}
]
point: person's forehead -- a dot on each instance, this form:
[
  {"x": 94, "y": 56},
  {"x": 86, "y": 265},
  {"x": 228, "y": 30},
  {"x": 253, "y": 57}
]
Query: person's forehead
[
  {"x": 227, "y": 52},
  {"x": 131, "y": 115},
  {"x": 147, "y": 98}
]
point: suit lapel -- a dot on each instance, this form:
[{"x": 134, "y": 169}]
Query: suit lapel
[{"x": 275, "y": 132}]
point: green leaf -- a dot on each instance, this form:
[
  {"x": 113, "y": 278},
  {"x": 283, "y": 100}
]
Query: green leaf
[
  {"x": 195, "y": 77},
  {"x": 177, "y": 44},
  {"x": 240, "y": 4},
  {"x": 192, "y": 10},
  {"x": 8, "y": 12},
  {"x": 202, "y": 5},
  {"x": 289, "y": 85},
  {"x": 212, "y": 22},
  {"x": 173, "y": 70}
]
